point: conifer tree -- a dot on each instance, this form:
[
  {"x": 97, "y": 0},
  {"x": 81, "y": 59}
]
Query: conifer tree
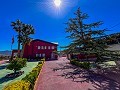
[{"x": 86, "y": 38}]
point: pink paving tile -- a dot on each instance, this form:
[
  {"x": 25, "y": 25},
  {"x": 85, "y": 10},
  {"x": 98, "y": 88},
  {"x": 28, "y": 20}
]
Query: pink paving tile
[{"x": 53, "y": 80}]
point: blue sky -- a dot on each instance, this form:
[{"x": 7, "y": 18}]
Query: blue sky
[{"x": 48, "y": 20}]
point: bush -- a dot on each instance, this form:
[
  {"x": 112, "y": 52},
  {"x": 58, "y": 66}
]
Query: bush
[
  {"x": 17, "y": 64},
  {"x": 43, "y": 59},
  {"x": 31, "y": 77},
  {"x": 19, "y": 85},
  {"x": 85, "y": 65},
  {"x": 1, "y": 58},
  {"x": 27, "y": 83}
]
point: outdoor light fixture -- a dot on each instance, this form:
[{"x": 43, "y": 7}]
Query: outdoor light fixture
[{"x": 57, "y": 3}]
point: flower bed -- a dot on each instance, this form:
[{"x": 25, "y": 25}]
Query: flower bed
[
  {"x": 29, "y": 79},
  {"x": 19, "y": 85}
]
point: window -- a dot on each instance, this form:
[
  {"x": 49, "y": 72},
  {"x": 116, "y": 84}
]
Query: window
[
  {"x": 36, "y": 55},
  {"x": 45, "y": 47},
  {"x": 40, "y": 55},
  {"x": 53, "y": 47},
  {"x": 42, "y": 47},
  {"x": 38, "y": 47},
  {"x": 48, "y": 47},
  {"x": 43, "y": 55}
]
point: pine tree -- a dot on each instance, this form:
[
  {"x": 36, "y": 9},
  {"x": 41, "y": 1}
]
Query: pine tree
[
  {"x": 17, "y": 26},
  {"x": 86, "y": 38}
]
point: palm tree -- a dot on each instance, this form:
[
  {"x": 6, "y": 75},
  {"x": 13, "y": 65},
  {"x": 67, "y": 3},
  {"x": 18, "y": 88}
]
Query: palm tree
[
  {"x": 24, "y": 30},
  {"x": 18, "y": 26}
]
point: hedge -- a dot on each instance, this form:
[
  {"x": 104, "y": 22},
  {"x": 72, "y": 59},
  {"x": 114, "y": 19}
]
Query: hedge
[
  {"x": 85, "y": 65},
  {"x": 31, "y": 77},
  {"x": 19, "y": 85},
  {"x": 27, "y": 83}
]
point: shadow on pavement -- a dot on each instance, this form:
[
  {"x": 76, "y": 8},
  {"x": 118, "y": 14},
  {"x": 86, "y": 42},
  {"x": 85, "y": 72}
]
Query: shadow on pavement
[
  {"x": 79, "y": 75},
  {"x": 51, "y": 60}
]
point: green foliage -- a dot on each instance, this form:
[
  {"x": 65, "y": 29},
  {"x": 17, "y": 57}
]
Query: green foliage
[
  {"x": 37, "y": 58},
  {"x": 18, "y": 85},
  {"x": 31, "y": 77},
  {"x": 1, "y": 58},
  {"x": 17, "y": 64},
  {"x": 24, "y": 31},
  {"x": 4, "y": 57},
  {"x": 27, "y": 83},
  {"x": 83, "y": 35},
  {"x": 86, "y": 38},
  {"x": 85, "y": 65},
  {"x": 43, "y": 59}
]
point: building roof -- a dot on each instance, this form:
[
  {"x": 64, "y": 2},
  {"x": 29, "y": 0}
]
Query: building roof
[{"x": 44, "y": 41}]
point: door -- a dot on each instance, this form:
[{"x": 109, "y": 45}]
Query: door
[{"x": 52, "y": 56}]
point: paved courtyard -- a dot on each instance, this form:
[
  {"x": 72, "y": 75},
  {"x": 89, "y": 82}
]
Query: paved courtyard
[
  {"x": 60, "y": 75},
  {"x": 3, "y": 61}
]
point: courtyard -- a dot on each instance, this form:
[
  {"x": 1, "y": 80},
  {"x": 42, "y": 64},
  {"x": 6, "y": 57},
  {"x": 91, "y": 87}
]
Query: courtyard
[
  {"x": 3, "y": 72},
  {"x": 61, "y": 75}
]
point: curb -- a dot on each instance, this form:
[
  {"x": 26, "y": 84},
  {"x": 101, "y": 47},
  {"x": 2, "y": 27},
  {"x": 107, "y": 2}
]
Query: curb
[{"x": 35, "y": 86}]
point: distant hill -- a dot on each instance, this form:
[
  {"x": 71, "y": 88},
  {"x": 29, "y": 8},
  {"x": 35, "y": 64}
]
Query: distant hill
[{"x": 5, "y": 52}]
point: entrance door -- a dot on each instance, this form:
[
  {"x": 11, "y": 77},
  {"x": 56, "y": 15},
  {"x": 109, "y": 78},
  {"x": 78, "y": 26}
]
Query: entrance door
[{"x": 52, "y": 56}]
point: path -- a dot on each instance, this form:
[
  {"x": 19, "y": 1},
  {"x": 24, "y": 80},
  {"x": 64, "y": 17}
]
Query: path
[
  {"x": 60, "y": 75},
  {"x": 3, "y": 61}
]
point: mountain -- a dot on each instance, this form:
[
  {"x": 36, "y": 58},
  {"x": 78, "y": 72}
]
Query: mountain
[{"x": 5, "y": 52}]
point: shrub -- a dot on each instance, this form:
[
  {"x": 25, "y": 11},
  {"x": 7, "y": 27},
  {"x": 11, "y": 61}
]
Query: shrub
[
  {"x": 43, "y": 59},
  {"x": 85, "y": 65},
  {"x": 41, "y": 62},
  {"x": 31, "y": 77},
  {"x": 1, "y": 58},
  {"x": 27, "y": 83},
  {"x": 17, "y": 64},
  {"x": 18, "y": 85}
]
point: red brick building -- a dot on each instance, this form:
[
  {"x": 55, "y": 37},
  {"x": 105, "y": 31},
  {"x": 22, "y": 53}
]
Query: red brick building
[{"x": 41, "y": 49}]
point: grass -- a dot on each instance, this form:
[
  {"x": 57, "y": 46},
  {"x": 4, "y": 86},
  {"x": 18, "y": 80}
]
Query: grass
[
  {"x": 108, "y": 64},
  {"x": 3, "y": 72}
]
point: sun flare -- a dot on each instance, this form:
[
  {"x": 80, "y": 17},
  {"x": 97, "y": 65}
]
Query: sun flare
[{"x": 57, "y": 3}]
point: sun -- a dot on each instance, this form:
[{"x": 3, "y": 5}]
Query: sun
[{"x": 57, "y": 3}]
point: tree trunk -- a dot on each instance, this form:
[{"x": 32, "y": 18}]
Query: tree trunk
[
  {"x": 18, "y": 44},
  {"x": 15, "y": 71},
  {"x": 22, "y": 52}
]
